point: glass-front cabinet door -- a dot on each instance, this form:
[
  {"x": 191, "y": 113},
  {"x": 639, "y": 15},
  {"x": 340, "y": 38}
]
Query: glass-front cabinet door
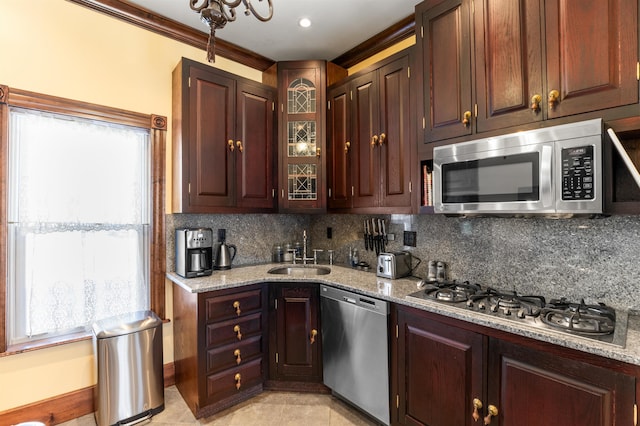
[{"x": 302, "y": 140}]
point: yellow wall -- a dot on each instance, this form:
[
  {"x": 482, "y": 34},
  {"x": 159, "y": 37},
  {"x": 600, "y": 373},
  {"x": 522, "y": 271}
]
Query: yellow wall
[
  {"x": 62, "y": 49},
  {"x": 58, "y": 48}
]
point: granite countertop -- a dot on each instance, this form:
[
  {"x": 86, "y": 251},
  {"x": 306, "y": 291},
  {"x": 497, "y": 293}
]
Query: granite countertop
[{"x": 396, "y": 291}]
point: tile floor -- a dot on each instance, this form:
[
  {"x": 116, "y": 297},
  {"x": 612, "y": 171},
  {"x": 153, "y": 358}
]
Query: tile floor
[{"x": 268, "y": 408}]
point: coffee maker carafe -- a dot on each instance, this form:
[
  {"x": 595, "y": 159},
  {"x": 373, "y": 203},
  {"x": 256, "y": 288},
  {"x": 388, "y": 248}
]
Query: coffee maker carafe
[
  {"x": 194, "y": 252},
  {"x": 221, "y": 253}
]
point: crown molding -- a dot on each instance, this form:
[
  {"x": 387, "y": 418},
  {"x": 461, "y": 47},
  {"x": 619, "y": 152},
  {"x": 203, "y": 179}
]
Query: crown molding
[
  {"x": 376, "y": 44},
  {"x": 167, "y": 27}
]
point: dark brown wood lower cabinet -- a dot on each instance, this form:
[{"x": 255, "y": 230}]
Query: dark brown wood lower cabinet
[
  {"x": 295, "y": 341},
  {"x": 442, "y": 369},
  {"x": 532, "y": 388},
  {"x": 219, "y": 340}
]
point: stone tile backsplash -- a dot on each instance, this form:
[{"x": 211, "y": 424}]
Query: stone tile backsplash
[{"x": 595, "y": 259}]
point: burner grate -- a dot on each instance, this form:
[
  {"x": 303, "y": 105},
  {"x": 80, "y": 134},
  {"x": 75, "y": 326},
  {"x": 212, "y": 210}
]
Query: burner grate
[{"x": 580, "y": 318}]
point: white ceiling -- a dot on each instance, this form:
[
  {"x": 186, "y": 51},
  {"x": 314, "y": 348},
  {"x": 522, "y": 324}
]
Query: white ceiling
[{"x": 337, "y": 25}]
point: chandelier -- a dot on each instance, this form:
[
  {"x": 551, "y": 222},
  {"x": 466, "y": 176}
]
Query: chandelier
[{"x": 216, "y": 14}]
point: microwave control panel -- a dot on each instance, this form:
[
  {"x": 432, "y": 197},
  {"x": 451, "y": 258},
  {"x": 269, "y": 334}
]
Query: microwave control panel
[{"x": 578, "y": 173}]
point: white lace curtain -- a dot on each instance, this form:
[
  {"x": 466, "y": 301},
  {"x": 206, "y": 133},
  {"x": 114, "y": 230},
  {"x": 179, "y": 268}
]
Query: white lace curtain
[{"x": 78, "y": 219}]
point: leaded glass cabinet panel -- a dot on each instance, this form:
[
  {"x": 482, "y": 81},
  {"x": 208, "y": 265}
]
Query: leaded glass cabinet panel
[{"x": 302, "y": 140}]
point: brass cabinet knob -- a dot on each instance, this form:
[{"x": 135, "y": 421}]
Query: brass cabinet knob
[
  {"x": 466, "y": 118},
  {"x": 318, "y": 151},
  {"x": 374, "y": 140},
  {"x": 236, "y": 329},
  {"x": 347, "y": 146},
  {"x": 536, "y": 100},
  {"x": 239, "y": 144},
  {"x": 492, "y": 412},
  {"x": 554, "y": 98},
  {"x": 236, "y": 306},
  {"x": 236, "y": 353},
  {"x": 477, "y": 405},
  {"x": 231, "y": 147},
  {"x": 383, "y": 137},
  {"x": 238, "y": 379},
  {"x": 314, "y": 333}
]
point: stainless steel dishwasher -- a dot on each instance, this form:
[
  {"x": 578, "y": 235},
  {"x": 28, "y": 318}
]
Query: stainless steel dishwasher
[{"x": 355, "y": 349}]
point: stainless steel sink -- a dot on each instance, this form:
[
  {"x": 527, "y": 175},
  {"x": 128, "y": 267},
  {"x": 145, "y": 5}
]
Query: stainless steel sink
[{"x": 300, "y": 270}]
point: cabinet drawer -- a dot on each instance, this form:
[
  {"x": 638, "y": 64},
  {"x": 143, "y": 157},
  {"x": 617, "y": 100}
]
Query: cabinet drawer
[
  {"x": 234, "y": 380},
  {"x": 232, "y": 305},
  {"x": 234, "y": 355},
  {"x": 234, "y": 330}
]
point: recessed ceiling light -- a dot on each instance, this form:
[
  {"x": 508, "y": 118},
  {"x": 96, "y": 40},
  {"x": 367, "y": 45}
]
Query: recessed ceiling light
[{"x": 304, "y": 22}]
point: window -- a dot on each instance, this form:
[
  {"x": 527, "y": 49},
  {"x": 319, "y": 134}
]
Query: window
[{"x": 82, "y": 239}]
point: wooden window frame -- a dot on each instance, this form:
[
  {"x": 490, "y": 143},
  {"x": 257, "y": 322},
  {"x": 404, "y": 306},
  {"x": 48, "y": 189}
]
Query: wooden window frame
[{"x": 10, "y": 97}]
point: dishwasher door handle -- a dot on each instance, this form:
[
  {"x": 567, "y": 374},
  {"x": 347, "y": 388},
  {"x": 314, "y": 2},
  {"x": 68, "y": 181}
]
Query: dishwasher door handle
[{"x": 349, "y": 300}]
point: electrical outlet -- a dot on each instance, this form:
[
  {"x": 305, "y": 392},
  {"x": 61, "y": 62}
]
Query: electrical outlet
[
  {"x": 391, "y": 237},
  {"x": 329, "y": 232},
  {"x": 410, "y": 238}
]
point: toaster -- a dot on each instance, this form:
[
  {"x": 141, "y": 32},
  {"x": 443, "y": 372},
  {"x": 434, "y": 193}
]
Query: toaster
[{"x": 394, "y": 265}]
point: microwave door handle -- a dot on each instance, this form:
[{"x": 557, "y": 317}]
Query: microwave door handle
[{"x": 546, "y": 187}]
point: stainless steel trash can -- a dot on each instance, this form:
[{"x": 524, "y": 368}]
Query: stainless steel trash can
[{"x": 128, "y": 352}]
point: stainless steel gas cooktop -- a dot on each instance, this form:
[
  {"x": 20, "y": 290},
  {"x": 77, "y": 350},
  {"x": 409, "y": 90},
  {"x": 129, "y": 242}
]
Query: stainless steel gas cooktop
[{"x": 594, "y": 321}]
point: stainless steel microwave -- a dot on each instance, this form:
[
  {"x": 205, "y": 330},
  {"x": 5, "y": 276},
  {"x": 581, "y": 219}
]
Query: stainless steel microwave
[{"x": 553, "y": 171}]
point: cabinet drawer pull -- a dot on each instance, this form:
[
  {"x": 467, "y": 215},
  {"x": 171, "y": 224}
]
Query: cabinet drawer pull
[
  {"x": 554, "y": 98},
  {"x": 477, "y": 405},
  {"x": 236, "y": 353},
  {"x": 466, "y": 118},
  {"x": 318, "y": 152},
  {"x": 374, "y": 141},
  {"x": 314, "y": 333},
  {"x": 493, "y": 412},
  {"x": 238, "y": 379},
  {"x": 236, "y": 306},
  {"x": 236, "y": 329},
  {"x": 383, "y": 138},
  {"x": 239, "y": 145},
  {"x": 536, "y": 100},
  {"x": 347, "y": 145},
  {"x": 231, "y": 147}
]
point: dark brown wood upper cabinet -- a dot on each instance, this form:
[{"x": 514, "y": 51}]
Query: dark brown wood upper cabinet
[
  {"x": 508, "y": 66},
  {"x": 533, "y": 60},
  {"x": 302, "y": 86},
  {"x": 591, "y": 54},
  {"x": 444, "y": 47},
  {"x": 339, "y": 147},
  {"x": 378, "y": 155},
  {"x": 223, "y": 142}
]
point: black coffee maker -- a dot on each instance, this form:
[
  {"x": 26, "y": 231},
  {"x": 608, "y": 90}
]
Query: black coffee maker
[{"x": 194, "y": 249}]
